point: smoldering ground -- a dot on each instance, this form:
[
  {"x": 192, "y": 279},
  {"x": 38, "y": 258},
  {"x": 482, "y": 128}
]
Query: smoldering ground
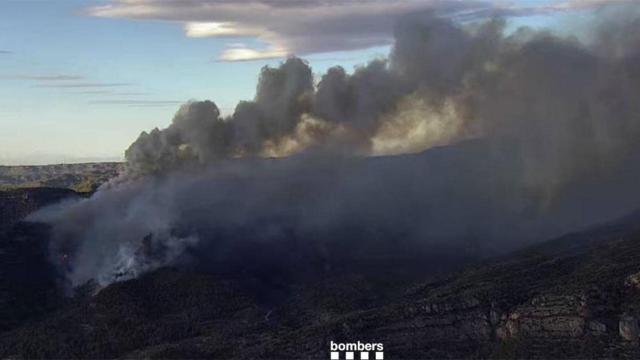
[{"x": 527, "y": 135}]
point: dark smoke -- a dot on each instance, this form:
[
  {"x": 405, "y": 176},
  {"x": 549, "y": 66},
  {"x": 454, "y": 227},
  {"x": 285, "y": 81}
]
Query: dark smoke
[{"x": 538, "y": 134}]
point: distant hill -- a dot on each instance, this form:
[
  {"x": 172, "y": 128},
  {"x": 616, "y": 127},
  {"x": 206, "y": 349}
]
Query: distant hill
[{"x": 78, "y": 177}]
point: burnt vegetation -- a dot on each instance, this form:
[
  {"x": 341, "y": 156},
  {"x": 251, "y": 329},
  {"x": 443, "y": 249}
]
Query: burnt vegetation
[{"x": 564, "y": 298}]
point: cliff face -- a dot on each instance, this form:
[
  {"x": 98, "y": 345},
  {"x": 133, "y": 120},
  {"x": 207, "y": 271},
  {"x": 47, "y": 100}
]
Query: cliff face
[{"x": 573, "y": 297}]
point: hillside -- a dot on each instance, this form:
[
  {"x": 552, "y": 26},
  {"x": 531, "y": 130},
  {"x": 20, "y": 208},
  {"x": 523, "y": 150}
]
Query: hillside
[
  {"x": 27, "y": 279},
  {"x": 572, "y": 297},
  {"x": 575, "y": 296},
  {"x": 16, "y": 204},
  {"x": 79, "y": 177}
]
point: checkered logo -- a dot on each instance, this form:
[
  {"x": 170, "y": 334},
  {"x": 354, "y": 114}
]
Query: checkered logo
[{"x": 356, "y": 351}]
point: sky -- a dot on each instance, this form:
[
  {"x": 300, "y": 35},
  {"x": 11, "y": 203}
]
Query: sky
[{"x": 80, "y": 79}]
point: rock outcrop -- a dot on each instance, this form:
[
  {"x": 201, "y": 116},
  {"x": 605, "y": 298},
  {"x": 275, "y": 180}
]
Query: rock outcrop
[
  {"x": 628, "y": 328},
  {"x": 550, "y": 316}
]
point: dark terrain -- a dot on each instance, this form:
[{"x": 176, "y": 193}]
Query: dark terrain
[
  {"x": 577, "y": 296},
  {"x": 16, "y": 204},
  {"x": 78, "y": 177}
]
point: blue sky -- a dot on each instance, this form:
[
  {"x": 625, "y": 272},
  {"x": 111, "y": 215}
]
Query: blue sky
[{"x": 77, "y": 85}]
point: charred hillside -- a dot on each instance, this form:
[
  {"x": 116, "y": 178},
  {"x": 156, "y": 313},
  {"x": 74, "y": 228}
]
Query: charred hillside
[
  {"x": 572, "y": 297},
  {"x": 16, "y": 204},
  {"x": 469, "y": 199},
  {"x": 28, "y": 284}
]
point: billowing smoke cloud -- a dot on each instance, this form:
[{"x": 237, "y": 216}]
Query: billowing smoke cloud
[
  {"x": 199, "y": 135},
  {"x": 555, "y": 97},
  {"x": 541, "y": 136}
]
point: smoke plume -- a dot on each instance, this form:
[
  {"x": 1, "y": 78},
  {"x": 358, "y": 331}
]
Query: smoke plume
[{"x": 528, "y": 135}]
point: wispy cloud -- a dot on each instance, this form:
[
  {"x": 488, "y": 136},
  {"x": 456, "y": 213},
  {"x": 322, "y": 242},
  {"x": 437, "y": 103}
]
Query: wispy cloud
[
  {"x": 5, "y": 52},
  {"x": 44, "y": 78},
  {"x": 65, "y": 81},
  {"x": 130, "y": 93},
  {"x": 110, "y": 92},
  {"x": 315, "y": 26},
  {"x": 93, "y": 92},
  {"x": 137, "y": 103},
  {"x": 83, "y": 85}
]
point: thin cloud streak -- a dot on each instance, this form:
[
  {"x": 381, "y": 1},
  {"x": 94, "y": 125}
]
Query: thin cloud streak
[
  {"x": 130, "y": 93},
  {"x": 83, "y": 85},
  {"x": 73, "y": 82},
  {"x": 93, "y": 92},
  {"x": 137, "y": 103},
  {"x": 44, "y": 77},
  {"x": 111, "y": 93}
]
